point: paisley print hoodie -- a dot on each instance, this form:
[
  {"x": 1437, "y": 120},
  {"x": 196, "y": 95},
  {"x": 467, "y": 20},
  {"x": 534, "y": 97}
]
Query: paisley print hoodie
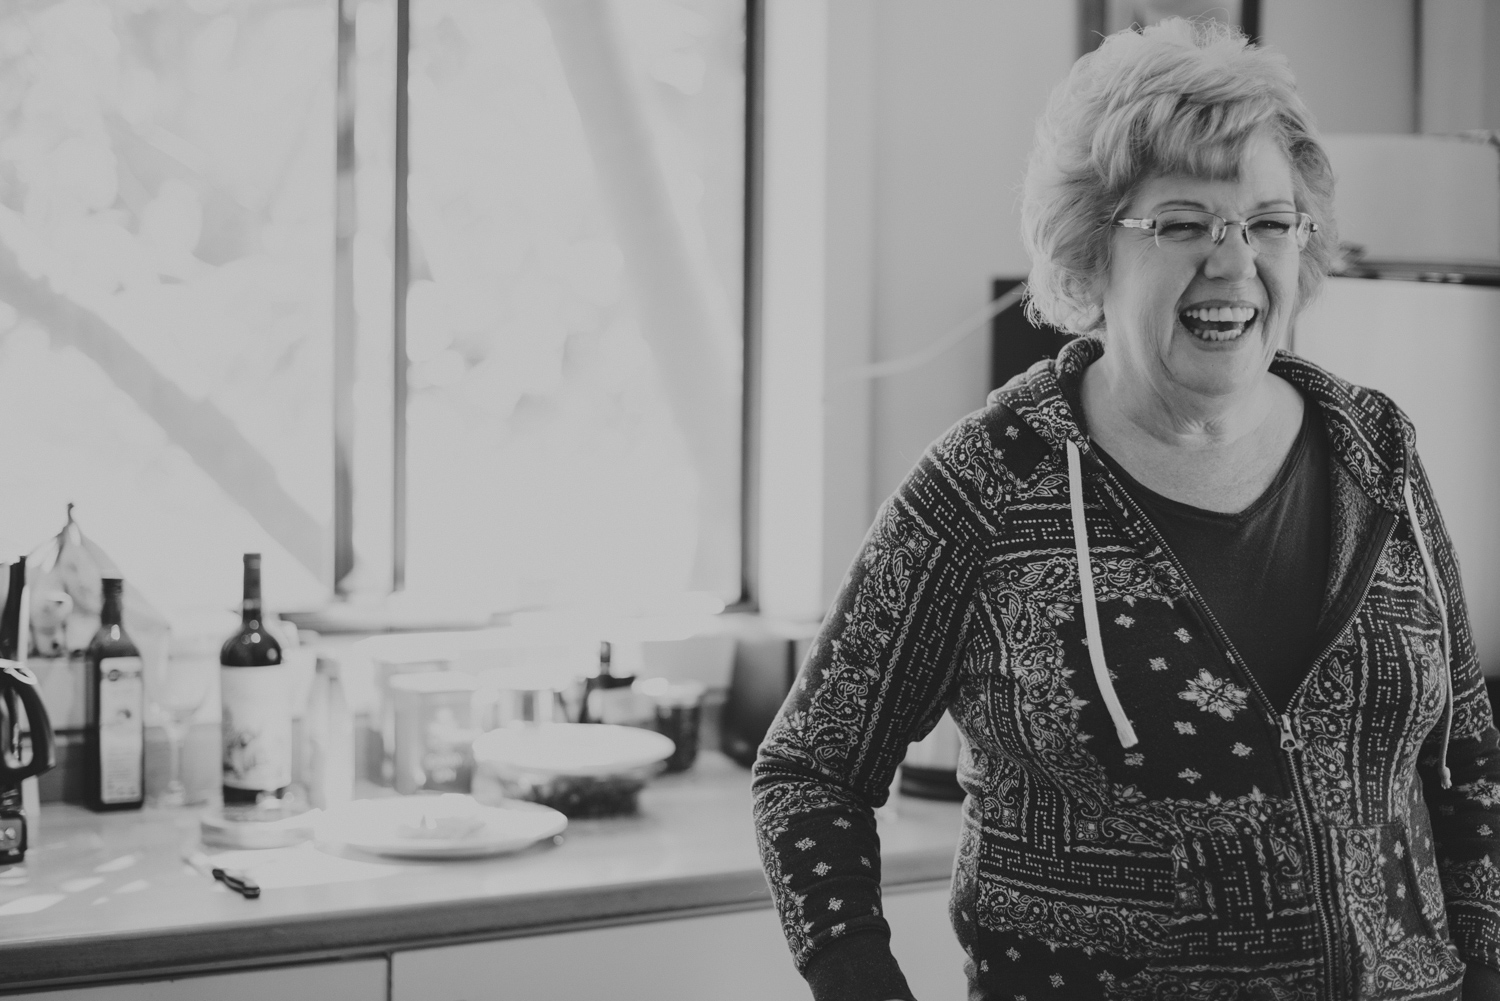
[{"x": 1140, "y": 821}]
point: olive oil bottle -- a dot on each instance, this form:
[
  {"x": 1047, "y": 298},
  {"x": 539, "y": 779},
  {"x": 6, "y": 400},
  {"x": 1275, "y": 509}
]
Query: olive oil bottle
[{"x": 115, "y": 736}]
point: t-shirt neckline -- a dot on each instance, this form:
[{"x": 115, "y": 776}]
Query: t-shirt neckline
[{"x": 1279, "y": 483}]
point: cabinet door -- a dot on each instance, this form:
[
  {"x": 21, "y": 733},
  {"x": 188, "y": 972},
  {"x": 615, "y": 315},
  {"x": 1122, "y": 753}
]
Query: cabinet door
[
  {"x": 722, "y": 957},
  {"x": 356, "y": 980}
]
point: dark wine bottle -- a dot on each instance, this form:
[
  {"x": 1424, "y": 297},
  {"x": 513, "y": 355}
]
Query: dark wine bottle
[
  {"x": 13, "y": 840},
  {"x": 257, "y": 727},
  {"x": 13, "y": 615},
  {"x": 115, "y": 733}
]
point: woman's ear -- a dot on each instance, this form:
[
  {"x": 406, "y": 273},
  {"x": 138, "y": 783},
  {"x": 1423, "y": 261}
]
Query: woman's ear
[{"x": 1089, "y": 320}]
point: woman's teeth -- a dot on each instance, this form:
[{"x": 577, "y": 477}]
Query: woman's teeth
[{"x": 1218, "y": 323}]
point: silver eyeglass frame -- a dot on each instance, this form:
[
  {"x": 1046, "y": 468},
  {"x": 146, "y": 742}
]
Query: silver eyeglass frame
[{"x": 1222, "y": 228}]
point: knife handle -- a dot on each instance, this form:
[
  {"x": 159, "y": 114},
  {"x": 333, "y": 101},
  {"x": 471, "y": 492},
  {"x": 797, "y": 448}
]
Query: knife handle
[{"x": 238, "y": 882}]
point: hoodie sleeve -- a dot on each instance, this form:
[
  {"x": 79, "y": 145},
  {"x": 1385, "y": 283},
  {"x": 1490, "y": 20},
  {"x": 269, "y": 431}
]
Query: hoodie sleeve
[
  {"x": 879, "y": 674},
  {"x": 1465, "y": 817}
]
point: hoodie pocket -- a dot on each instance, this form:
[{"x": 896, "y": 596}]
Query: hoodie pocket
[
  {"x": 1399, "y": 937},
  {"x": 1115, "y": 897},
  {"x": 1241, "y": 878}
]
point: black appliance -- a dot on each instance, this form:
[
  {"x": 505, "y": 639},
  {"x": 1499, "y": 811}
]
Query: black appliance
[
  {"x": 26, "y": 743},
  {"x": 766, "y": 660},
  {"x": 1015, "y": 342}
]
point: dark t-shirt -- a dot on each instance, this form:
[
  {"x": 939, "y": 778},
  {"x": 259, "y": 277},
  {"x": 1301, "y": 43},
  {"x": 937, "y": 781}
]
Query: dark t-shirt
[{"x": 1263, "y": 570}]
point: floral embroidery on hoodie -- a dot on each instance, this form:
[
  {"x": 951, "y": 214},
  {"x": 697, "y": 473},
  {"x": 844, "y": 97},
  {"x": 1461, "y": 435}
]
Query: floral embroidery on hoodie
[{"x": 1215, "y": 695}]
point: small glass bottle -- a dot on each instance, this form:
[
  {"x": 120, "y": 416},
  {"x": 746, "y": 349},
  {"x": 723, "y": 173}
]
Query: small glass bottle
[
  {"x": 612, "y": 698},
  {"x": 115, "y": 734},
  {"x": 257, "y": 718},
  {"x": 329, "y": 738}
]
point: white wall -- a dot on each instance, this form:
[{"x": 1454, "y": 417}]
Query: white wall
[
  {"x": 1354, "y": 59},
  {"x": 1451, "y": 93},
  {"x": 959, "y": 86},
  {"x": 794, "y": 290},
  {"x": 1367, "y": 66},
  {"x": 878, "y": 239},
  {"x": 1491, "y": 65},
  {"x": 852, "y": 167},
  {"x": 817, "y": 298},
  {"x": 1460, "y": 62}
]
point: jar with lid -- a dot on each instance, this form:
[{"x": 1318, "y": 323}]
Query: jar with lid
[
  {"x": 434, "y": 716},
  {"x": 677, "y": 707}
]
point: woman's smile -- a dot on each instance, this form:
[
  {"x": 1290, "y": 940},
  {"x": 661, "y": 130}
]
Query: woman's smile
[{"x": 1218, "y": 322}]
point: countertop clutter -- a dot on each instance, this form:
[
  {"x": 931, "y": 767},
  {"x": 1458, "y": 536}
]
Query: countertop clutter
[{"x": 112, "y": 897}]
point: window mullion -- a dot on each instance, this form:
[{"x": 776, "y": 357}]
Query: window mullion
[
  {"x": 402, "y": 280},
  {"x": 344, "y": 313}
]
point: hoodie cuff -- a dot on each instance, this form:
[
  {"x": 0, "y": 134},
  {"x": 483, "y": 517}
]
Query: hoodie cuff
[{"x": 859, "y": 967}]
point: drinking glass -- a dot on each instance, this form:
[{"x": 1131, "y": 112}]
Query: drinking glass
[{"x": 180, "y": 690}]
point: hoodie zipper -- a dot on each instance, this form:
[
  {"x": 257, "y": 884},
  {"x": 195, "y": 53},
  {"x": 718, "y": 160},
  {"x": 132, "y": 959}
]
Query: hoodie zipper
[
  {"x": 1290, "y": 743},
  {"x": 1319, "y": 866}
]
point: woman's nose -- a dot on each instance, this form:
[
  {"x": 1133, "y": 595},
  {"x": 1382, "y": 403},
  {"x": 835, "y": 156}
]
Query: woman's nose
[{"x": 1232, "y": 259}]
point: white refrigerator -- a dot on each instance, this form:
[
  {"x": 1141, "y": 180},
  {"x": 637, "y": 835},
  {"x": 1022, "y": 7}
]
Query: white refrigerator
[{"x": 1435, "y": 349}]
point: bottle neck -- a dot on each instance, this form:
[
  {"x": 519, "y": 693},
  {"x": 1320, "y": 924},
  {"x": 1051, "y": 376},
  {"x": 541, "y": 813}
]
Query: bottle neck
[
  {"x": 250, "y": 611},
  {"x": 109, "y": 614}
]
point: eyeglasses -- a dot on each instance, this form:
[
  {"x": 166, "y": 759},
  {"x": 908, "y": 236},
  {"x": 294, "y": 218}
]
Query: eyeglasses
[{"x": 1188, "y": 231}]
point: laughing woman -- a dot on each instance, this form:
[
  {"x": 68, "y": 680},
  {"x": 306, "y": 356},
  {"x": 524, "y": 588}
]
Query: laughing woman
[{"x": 1188, "y": 597}]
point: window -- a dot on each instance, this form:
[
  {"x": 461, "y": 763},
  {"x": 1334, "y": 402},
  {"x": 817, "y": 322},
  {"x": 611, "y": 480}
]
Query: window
[
  {"x": 182, "y": 346},
  {"x": 166, "y": 215}
]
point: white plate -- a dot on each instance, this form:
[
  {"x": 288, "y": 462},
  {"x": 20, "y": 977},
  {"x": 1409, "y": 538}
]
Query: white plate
[
  {"x": 447, "y": 826},
  {"x": 597, "y": 749}
]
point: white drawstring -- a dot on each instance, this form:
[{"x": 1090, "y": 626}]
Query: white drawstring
[
  {"x": 1123, "y": 728},
  {"x": 1437, "y": 593}
]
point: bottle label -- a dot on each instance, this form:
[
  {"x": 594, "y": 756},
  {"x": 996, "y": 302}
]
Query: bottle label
[
  {"x": 122, "y": 735},
  {"x": 257, "y": 728}
]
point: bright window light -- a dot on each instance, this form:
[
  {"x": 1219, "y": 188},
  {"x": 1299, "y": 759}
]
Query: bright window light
[
  {"x": 574, "y": 339},
  {"x": 165, "y": 268}
]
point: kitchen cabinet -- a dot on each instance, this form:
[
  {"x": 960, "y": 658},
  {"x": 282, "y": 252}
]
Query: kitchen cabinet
[
  {"x": 356, "y": 980},
  {"x": 737, "y": 956}
]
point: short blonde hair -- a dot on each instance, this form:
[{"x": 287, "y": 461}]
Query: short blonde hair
[{"x": 1179, "y": 97}]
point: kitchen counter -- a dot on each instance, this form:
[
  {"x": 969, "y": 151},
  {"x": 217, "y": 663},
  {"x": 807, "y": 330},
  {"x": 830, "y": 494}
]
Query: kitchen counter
[{"x": 107, "y": 897}]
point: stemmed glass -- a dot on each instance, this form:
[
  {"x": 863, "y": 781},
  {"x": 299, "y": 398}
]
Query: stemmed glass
[{"x": 181, "y": 688}]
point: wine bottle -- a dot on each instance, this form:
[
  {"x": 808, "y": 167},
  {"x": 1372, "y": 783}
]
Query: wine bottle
[
  {"x": 14, "y": 616},
  {"x": 13, "y": 834},
  {"x": 257, "y": 720},
  {"x": 115, "y": 733}
]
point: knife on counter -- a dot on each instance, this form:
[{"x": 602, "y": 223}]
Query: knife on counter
[{"x": 235, "y": 879}]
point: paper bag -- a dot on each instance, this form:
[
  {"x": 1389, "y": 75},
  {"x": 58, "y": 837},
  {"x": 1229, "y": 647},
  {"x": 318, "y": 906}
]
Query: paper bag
[{"x": 64, "y": 577}]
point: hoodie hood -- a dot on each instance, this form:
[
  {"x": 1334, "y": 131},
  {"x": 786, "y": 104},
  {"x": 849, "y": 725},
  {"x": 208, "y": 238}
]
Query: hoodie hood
[
  {"x": 1368, "y": 433},
  {"x": 1369, "y": 436}
]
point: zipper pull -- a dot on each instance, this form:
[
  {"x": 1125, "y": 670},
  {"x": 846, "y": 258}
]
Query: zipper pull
[{"x": 1289, "y": 741}]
